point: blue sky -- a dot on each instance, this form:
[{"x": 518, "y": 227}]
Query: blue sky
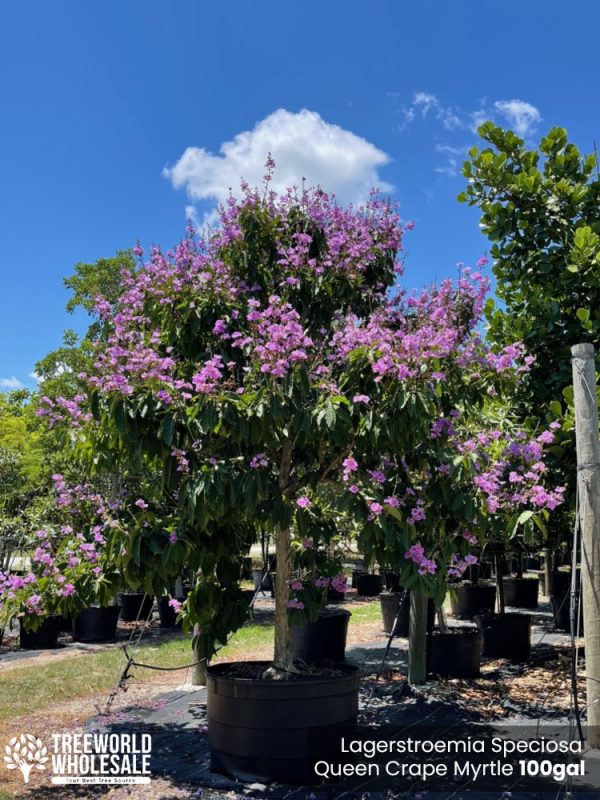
[{"x": 118, "y": 118}]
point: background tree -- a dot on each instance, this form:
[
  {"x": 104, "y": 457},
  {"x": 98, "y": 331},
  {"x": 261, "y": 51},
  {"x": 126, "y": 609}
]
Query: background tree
[{"x": 540, "y": 209}]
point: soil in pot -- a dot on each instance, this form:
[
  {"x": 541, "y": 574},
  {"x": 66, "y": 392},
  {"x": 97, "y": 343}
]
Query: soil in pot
[
  {"x": 262, "y": 729},
  {"x": 135, "y": 605},
  {"x": 96, "y": 624},
  {"x": 323, "y": 640},
  {"x": 369, "y": 585},
  {"x": 468, "y": 600},
  {"x": 455, "y": 654},
  {"x": 505, "y": 635},
  {"x": 45, "y": 638},
  {"x": 521, "y": 592},
  {"x": 390, "y": 603}
]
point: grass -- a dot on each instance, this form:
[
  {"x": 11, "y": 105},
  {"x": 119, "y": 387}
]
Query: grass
[{"x": 86, "y": 675}]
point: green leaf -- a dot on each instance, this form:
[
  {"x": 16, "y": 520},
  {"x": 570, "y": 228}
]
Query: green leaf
[
  {"x": 583, "y": 314},
  {"x": 168, "y": 429}
]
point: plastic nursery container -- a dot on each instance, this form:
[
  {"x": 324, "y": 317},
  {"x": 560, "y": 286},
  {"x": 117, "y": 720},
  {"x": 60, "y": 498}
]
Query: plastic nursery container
[{"x": 324, "y": 639}]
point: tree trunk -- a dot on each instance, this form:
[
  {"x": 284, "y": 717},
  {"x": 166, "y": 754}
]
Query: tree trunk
[
  {"x": 199, "y": 669},
  {"x": 417, "y": 639},
  {"x": 499, "y": 567},
  {"x": 588, "y": 492},
  {"x": 283, "y": 554},
  {"x": 547, "y": 572}
]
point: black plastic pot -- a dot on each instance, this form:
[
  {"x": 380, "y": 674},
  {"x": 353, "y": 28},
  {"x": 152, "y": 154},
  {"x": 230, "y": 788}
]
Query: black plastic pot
[
  {"x": 333, "y": 596},
  {"x": 506, "y": 635},
  {"x": 65, "y": 624},
  {"x": 356, "y": 573},
  {"x": 507, "y": 566},
  {"x": 560, "y": 582},
  {"x": 478, "y": 572},
  {"x": 248, "y": 595},
  {"x": 167, "y": 614},
  {"x": 96, "y": 624},
  {"x": 392, "y": 581},
  {"x": 135, "y": 606},
  {"x": 521, "y": 592},
  {"x": 275, "y": 730},
  {"x": 45, "y": 638},
  {"x": 265, "y": 585},
  {"x": 456, "y": 654},
  {"x": 390, "y": 603},
  {"x": 369, "y": 585},
  {"x": 533, "y": 563},
  {"x": 468, "y": 600},
  {"x": 323, "y": 640},
  {"x": 246, "y": 569},
  {"x": 561, "y": 610}
]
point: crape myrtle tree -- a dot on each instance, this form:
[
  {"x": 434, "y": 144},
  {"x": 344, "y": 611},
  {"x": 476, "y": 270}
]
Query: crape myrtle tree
[
  {"x": 540, "y": 208},
  {"x": 254, "y": 371}
]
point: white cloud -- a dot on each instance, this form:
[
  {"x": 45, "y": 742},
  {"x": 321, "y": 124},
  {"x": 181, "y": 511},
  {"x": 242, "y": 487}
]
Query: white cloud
[
  {"x": 10, "y": 383},
  {"x": 303, "y": 146},
  {"x": 451, "y": 169},
  {"x": 425, "y": 102},
  {"x": 522, "y": 116},
  {"x": 453, "y": 151},
  {"x": 34, "y": 376}
]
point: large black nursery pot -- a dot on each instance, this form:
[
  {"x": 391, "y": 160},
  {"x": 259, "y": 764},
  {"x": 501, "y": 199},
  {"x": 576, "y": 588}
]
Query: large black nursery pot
[
  {"x": 390, "y": 604},
  {"x": 45, "y": 638},
  {"x": 136, "y": 606},
  {"x": 455, "y": 654},
  {"x": 96, "y": 624},
  {"x": 505, "y": 635},
  {"x": 470, "y": 599},
  {"x": 322, "y": 640},
  {"x": 261, "y": 729},
  {"x": 521, "y": 592},
  {"x": 369, "y": 585}
]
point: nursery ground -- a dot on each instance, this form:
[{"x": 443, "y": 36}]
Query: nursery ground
[{"x": 68, "y": 691}]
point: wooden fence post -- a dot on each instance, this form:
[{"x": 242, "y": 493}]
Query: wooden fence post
[{"x": 588, "y": 488}]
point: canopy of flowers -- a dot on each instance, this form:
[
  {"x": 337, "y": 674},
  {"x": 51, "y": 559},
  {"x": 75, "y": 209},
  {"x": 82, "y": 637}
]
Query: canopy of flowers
[{"x": 274, "y": 375}]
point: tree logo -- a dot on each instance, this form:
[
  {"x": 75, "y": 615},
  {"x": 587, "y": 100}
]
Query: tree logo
[{"x": 25, "y": 752}]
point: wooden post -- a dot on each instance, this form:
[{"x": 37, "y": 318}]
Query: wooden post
[
  {"x": 199, "y": 669},
  {"x": 417, "y": 639},
  {"x": 547, "y": 572},
  {"x": 588, "y": 488}
]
